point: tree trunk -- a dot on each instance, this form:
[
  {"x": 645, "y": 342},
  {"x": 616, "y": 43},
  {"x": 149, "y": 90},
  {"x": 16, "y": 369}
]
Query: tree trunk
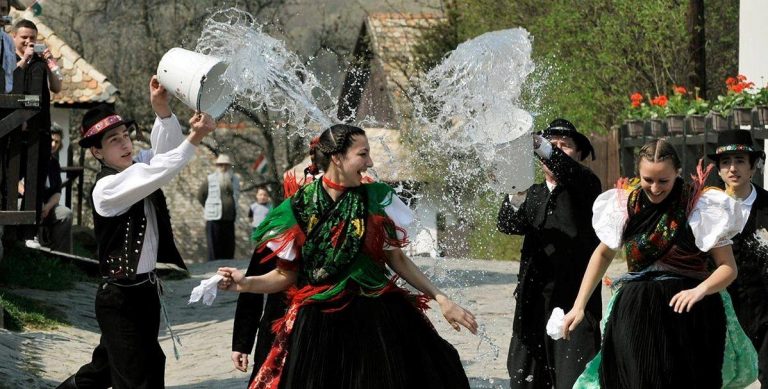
[{"x": 696, "y": 30}]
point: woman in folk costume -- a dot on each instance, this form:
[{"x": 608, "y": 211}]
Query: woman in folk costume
[
  {"x": 670, "y": 324},
  {"x": 348, "y": 325},
  {"x": 738, "y": 160}
]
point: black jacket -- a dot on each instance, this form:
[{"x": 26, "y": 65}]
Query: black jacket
[
  {"x": 253, "y": 315},
  {"x": 559, "y": 240},
  {"x": 750, "y": 289}
]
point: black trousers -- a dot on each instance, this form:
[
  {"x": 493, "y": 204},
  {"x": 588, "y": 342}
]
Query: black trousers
[
  {"x": 274, "y": 309},
  {"x": 566, "y": 359},
  {"x": 221, "y": 239},
  {"x": 128, "y": 355}
]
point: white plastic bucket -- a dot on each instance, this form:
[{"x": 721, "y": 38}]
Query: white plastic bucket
[
  {"x": 195, "y": 79},
  {"x": 513, "y": 165}
]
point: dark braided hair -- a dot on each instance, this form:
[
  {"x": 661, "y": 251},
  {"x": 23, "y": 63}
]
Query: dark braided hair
[
  {"x": 658, "y": 150},
  {"x": 334, "y": 140}
]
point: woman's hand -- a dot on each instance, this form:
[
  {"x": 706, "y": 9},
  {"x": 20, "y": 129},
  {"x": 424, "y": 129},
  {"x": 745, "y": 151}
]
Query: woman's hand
[
  {"x": 456, "y": 315},
  {"x": 572, "y": 320},
  {"x": 684, "y": 300},
  {"x": 233, "y": 280}
]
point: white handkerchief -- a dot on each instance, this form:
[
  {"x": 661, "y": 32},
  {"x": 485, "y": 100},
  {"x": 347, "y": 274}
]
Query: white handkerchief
[
  {"x": 206, "y": 290},
  {"x": 555, "y": 324}
]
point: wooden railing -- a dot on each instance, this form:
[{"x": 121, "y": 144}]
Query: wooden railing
[{"x": 15, "y": 143}]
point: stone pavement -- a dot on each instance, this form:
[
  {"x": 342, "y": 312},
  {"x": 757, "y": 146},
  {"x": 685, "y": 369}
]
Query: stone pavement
[{"x": 40, "y": 359}]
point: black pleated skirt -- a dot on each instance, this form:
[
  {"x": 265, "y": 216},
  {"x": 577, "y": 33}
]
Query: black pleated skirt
[
  {"x": 380, "y": 342},
  {"x": 647, "y": 345}
]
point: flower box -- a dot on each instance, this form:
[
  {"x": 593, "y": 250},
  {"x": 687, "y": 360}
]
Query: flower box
[
  {"x": 761, "y": 112},
  {"x": 719, "y": 122},
  {"x": 635, "y": 128},
  {"x": 657, "y": 127},
  {"x": 675, "y": 124},
  {"x": 742, "y": 118},
  {"x": 696, "y": 123}
]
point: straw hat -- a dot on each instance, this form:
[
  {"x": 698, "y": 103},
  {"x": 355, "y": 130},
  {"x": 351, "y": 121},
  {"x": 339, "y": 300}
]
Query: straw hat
[{"x": 223, "y": 159}]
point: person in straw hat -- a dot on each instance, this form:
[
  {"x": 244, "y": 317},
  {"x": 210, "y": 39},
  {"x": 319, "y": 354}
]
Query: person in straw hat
[
  {"x": 219, "y": 195},
  {"x": 133, "y": 231},
  {"x": 737, "y": 159}
]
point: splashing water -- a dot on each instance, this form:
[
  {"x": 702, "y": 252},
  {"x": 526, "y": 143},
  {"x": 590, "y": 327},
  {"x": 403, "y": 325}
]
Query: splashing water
[
  {"x": 264, "y": 73},
  {"x": 467, "y": 120},
  {"x": 470, "y": 103}
]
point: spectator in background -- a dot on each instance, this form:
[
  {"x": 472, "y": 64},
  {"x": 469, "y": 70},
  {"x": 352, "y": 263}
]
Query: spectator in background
[
  {"x": 56, "y": 219},
  {"x": 34, "y": 75},
  {"x": 7, "y": 46},
  {"x": 219, "y": 195},
  {"x": 260, "y": 208}
]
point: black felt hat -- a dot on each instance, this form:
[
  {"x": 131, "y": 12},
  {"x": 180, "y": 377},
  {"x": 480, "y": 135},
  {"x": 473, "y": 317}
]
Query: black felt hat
[
  {"x": 97, "y": 121},
  {"x": 563, "y": 127},
  {"x": 735, "y": 141}
]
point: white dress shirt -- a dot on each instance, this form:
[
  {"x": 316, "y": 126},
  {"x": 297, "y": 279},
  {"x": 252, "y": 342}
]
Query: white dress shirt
[{"x": 115, "y": 194}]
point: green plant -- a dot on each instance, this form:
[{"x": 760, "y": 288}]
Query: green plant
[
  {"x": 28, "y": 268},
  {"x": 697, "y": 106},
  {"x": 761, "y": 97},
  {"x": 659, "y": 109},
  {"x": 637, "y": 109},
  {"x": 738, "y": 95},
  {"x": 679, "y": 102},
  {"x": 26, "y": 313}
]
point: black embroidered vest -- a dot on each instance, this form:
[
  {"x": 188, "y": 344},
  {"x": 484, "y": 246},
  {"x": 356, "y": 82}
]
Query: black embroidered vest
[{"x": 120, "y": 238}]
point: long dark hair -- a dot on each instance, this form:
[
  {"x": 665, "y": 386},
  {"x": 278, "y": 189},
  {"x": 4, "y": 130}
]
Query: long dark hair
[{"x": 335, "y": 140}]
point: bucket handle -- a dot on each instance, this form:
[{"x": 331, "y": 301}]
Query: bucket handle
[{"x": 200, "y": 94}]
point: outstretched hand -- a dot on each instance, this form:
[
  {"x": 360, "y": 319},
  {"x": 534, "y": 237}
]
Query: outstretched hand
[
  {"x": 572, "y": 320},
  {"x": 456, "y": 315},
  {"x": 233, "y": 279}
]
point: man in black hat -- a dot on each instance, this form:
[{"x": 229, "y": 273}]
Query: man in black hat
[
  {"x": 133, "y": 230},
  {"x": 555, "y": 219},
  {"x": 737, "y": 161}
]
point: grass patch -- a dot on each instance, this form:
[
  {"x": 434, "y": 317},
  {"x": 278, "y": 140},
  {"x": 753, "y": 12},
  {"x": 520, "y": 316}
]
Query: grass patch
[
  {"x": 485, "y": 241},
  {"x": 28, "y": 314},
  {"x": 26, "y": 268}
]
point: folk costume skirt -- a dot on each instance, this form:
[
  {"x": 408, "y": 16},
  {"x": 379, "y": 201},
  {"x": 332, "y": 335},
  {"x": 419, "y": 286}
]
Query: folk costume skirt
[
  {"x": 372, "y": 342},
  {"x": 648, "y": 345}
]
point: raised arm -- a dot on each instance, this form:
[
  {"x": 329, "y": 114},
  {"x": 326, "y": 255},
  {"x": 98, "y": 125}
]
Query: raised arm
[
  {"x": 453, "y": 313},
  {"x": 115, "y": 194},
  {"x": 166, "y": 132}
]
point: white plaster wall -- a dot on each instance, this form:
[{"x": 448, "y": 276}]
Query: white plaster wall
[{"x": 753, "y": 44}]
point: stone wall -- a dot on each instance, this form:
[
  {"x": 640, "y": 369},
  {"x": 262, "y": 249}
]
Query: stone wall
[{"x": 186, "y": 211}]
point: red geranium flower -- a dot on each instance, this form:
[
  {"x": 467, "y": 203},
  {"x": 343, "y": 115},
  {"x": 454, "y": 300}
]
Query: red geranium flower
[{"x": 660, "y": 101}]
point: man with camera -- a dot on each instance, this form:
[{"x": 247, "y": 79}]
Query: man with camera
[{"x": 35, "y": 74}]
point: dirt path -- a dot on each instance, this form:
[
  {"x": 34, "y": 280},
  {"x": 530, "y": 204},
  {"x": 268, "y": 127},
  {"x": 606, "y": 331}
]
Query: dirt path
[{"x": 42, "y": 359}]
